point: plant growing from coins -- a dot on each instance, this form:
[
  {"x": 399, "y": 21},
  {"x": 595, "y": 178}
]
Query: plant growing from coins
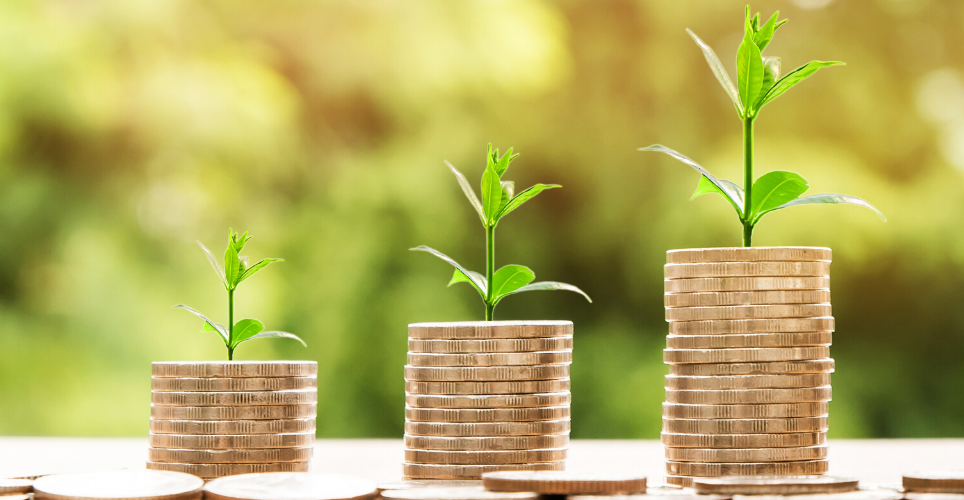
[
  {"x": 498, "y": 200},
  {"x": 758, "y": 83},
  {"x": 236, "y": 270}
]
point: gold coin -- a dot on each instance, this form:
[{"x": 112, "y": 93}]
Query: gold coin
[
  {"x": 235, "y": 369},
  {"x": 20, "y": 496},
  {"x": 490, "y": 330},
  {"x": 411, "y": 484},
  {"x": 490, "y": 345},
  {"x": 748, "y": 254},
  {"x": 210, "y": 471},
  {"x": 491, "y": 359},
  {"x": 774, "y": 485},
  {"x": 746, "y": 469},
  {"x": 775, "y": 367},
  {"x": 233, "y": 412},
  {"x": 746, "y": 455},
  {"x": 783, "y": 410},
  {"x": 453, "y": 493},
  {"x": 118, "y": 485},
  {"x": 718, "y": 382},
  {"x": 749, "y": 396},
  {"x": 759, "y": 268},
  {"x": 170, "y": 384},
  {"x": 207, "y": 427},
  {"x": 907, "y": 496},
  {"x": 484, "y": 457},
  {"x": 780, "y": 440},
  {"x": 747, "y": 355},
  {"x": 485, "y": 373},
  {"x": 685, "y": 482},
  {"x": 235, "y": 441},
  {"x": 935, "y": 482},
  {"x": 290, "y": 486},
  {"x": 242, "y": 456},
  {"x": 501, "y": 401},
  {"x": 745, "y": 426},
  {"x": 737, "y": 341},
  {"x": 745, "y": 284},
  {"x": 487, "y": 443},
  {"x": 427, "y": 471},
  {"x": 748, "y": 312},
  {"x": 564, "y": 483},
  {"x": 727, "y": 326},
  {"x": 487, "y": 429},
  {"x": 875, "y": 494},
  {"x": 15, "y": 486},
  {"x": 753, "y": 298},
  {"x": 486, "y": 415},
  {"x": 487, "y": 388},
  {"x": 309, "y": 396}
]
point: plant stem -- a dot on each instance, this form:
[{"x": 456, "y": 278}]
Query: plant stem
[
  {"x": 489, "y": 270},
  {"x": 747, "y": 179},
  {"x": 230, "y": 324}
]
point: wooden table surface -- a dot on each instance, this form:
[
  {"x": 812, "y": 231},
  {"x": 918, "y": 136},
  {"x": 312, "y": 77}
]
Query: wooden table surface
[{"x": 878, "y": 461}]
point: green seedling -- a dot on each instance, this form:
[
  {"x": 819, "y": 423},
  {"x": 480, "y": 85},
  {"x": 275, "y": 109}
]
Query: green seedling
[
  {"x": 235, "y": 271},
  {"x": 758, "y": 83},
  {"x": 498, "y": 200}
]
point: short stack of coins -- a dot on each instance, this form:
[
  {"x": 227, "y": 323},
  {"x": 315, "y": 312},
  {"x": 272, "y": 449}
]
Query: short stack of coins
[
  {"x": 486, "y": 396},
  {"x": 749, "y": 354},
  {"x": 215, "y": 419}
]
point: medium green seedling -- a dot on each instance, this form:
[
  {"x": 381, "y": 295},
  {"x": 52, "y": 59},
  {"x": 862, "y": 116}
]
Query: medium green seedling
[
  {"x": 235, "y": 271},
  {"x": 758, "y": 83},
  {"x": 498, "y": 200}
]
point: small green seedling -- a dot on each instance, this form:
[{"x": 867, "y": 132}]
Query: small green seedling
[
  {"x": 758, "y": 83},
  {"x": 234, "y": 272},
  {"x": 498, "y": 201}
]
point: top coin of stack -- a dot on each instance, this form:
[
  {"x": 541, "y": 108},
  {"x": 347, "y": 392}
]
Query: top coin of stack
[
  {"x": 486, "y": 396},
  {"x": 214, "y": 419},
  {"x": 749, "y": 355}
]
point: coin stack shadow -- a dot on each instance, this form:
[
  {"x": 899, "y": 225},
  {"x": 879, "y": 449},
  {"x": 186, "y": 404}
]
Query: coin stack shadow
[
  {"x": 214, "y": 419},
  {"x": 486, "y": 396},
  {"x": 749, "y": 354}
]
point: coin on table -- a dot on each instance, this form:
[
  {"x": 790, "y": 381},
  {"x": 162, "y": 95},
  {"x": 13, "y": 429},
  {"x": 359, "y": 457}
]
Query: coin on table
[
  {"x": 493, "y": 457},
  {"x": 775, "y": 485},
  {"x": 744, "y": 284},
  {"x": 777, "y": 440},
  {"x": 411, "y": 484},
  {"x": 300, "y": 397},
  {"x": 772, "y": 367},
  {"x": 758, "y": 297},
  {"x": 746, "y": 469},
  {"x": 489, "y": 345},
  {"x": 128, "y": 484},
  {"x": 487, "y": 388},
  {"x": 494, "y": 373},
  {"x": 486, "y": 415},
  {"x": 921, "y": 496},
  {"x": 748, "y": 254},
  {"x": 728, "y": 326},
  {"x": 737, "y": 269},
  {"x": 455, "y": 493},
  {"x": 433, "y": 471},
  {"x": 487, "y": 443},
  {"x": 748, "y": 312},
  {"x": 493, "y": 401},
  {"x": 233, "y": 412},
  {"x": 490, "y": 358},
  {"x": 240, "y": 456},
  {"x": 874, "y": 494},
  {"x": 487, "y": 429},
  {"x": 738, "y": 340},
  {"x": 748, "y": 355},
  {"x": 795, "y": 380},
  {"x": 779, "y": 410},
  {"x": 490, "y": 330},
  {"x": 172, "y": 384},
  {"x": 564, "y": 482},
  {"x": 293, "y": 440},
  {"x": 209, "y": 471},
  {"x": 935, "y": 482},
  {"x": 745, "y": 426},
  {"x": 206, "y": 427},
  {"x": 18, "y": 496},
  {"x": 749, "y": 396},
  {"x": 745, "y": 454},
  {"x": 235, "y": 369},
  {"x": 290, "y": 486},
  {"x": 666, "y": 491},
  {"x": 15, "y": 486}
]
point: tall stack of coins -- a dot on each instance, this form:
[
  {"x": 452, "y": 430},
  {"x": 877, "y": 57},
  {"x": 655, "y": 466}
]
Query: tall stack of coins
[
  {"x": 214, "y": 419},
  {"x": 749, "y": 355},
  {"x": 486, "y": 396}
]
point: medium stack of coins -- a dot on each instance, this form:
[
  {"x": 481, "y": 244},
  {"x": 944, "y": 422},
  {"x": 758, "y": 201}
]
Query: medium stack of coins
[
  {"x": 486, "y": 396},
  {"x": 749, "y": 355},
  {"x": 216, "y": 419}
]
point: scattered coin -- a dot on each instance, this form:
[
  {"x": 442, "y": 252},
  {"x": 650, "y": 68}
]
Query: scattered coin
[
  {"x": 15, "y": 486},
  {"x": 745, "y": 284},
  {"x": 212, "y": 442},
  {"x": 487, "y": 443},
  {"x": 774, "y": 485},
  {"x": 734, "y": 341},
  {"x": 486, "y": 415},
  {"x": 779, "y": 440},
  {"x": 935, "y": 482},
  {"x": 209, "y": 471},
  {"x": 409, "y": 484},
  {"x": 773, "y": 367},
  {"x": 493, "y": 373},
  {"x": 240, "y": 456},
  {"x": 749, "y": 396},
  {"x": 745, "y": 426},
  {"x": 746, "y": 455},
  {"x": 429, "y": 471},
  {"x": 487, "y": 429},
  {"x": 758, "y": 268},
  {"x": 464, "y": 493},
  {"x": 489, "y": 401},
  {"x": 234, "y": 384},
  {"x": 748, "y": 254},
  {"x": 485, "y": 457},
  {"x": 780, "y": 410},
  {"x": 810, "y": 467},
  {"x": 204, "y": 427},
  {"x": 19, "y": 496},
  {"x": 235, "y": 369},
  {"x": 125, "y": 484},
  {"x": 728, "y": 326},
  {"x": 796, "y": 380},
  {"x": 564, "y": 482},
  {"x": 788, "y": 311},
  {"x": 233, "y": 412},
  {"x": 507, "y": 387},
  {"x": 300, "y": 397},
  {"x": 759, "y": 297},
  {"x": 290, "y": 486},
  {"x": 875, "y": 494},
  {"x": 490, "y": 345},
  {"x": 934, "y": 496},
  {"x": 490, "y": 359},
  {"x": 490, "y": 330}
]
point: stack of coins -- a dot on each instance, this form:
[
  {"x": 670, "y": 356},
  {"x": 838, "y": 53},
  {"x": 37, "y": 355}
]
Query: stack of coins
[
  {"x": 486, "y": 396},
  {"x": 216, "y": 419},
  {"x": 749, "y": 355}
]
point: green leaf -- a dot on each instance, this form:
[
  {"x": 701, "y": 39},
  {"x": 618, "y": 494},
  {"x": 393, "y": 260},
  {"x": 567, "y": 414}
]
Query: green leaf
[
  {"x": 526, "y": 195},
  {"x": 500, "y": 165},
  {"x": 491, "y": 195},
  {"x": 794, "y": 77},
  {"x": 771, "y": 71},
  {"x": 773, "y": 189},
  {"x": 730, "y": 190},
  {"x": 509, "y": 279},
  {"x": 214, "y": 263},
  {"x": 819, "y": 199},
  {"x": 245, "y": 329},
  {"x": 706, "y": 186},
  {"x": 238, "y": 241},
  {"x": 273, "y": 334},
  {"x": 458, "y": 277},
  {"x": 764, "y": 34},
  {"x": 756, "y": 22},
  {"x": 263, "y": 263},
  {"x": 719, "y": 71},
  {"x": 220, "y": 329},
  {"x": 508, "y": 189},
  {"x": 232, "y": 266},
  {"x": 467, "y": 190},
  {"x": 749, "y": 72},
  {"x": 550, "y": 285},
  {"x": 478, "y": 283}
]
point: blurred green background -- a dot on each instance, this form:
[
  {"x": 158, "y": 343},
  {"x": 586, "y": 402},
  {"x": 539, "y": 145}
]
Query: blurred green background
[{"x": 129, "y": 130}]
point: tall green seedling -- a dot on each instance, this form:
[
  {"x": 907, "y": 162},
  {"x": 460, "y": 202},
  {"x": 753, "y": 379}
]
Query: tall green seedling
[
  {"x": 498, "y": 200},
  {"x": 758, "y": 83},
  {"x": 235, "y": 271}
]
